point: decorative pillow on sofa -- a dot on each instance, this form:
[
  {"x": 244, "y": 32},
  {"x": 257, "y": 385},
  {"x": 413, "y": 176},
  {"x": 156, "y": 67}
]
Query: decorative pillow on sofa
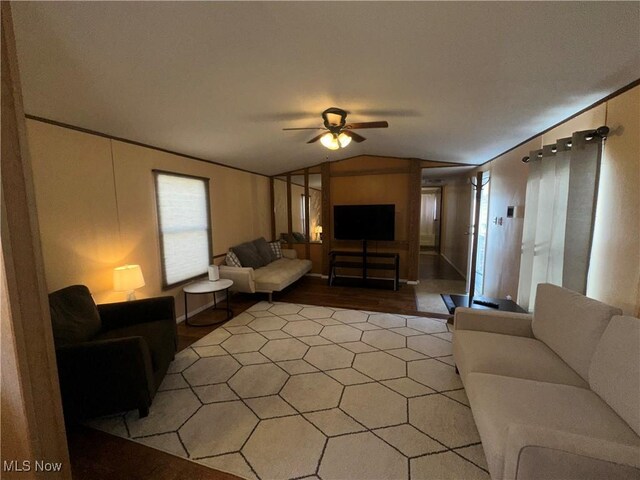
[
  {"x": 232, "y": 260},
  {"x": 248, "y": 255},
  {"x": 276, "y": 249},
  {"x": 264, "y": 250},
  {"x": 299, "y": 237}
]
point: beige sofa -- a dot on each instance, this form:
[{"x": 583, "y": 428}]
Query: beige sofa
[
  {"x": 556, "y": 394},
  {"x": 273, "y": 277}
]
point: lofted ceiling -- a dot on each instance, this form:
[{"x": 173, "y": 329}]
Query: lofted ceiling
[{"x": 457, "y": 82}]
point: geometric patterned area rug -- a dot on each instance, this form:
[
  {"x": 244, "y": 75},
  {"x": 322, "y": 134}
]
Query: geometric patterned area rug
[{"x": 287, "y": 391}]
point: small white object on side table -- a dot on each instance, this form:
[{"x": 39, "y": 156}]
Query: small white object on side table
[{"x": 203, "y": 287}]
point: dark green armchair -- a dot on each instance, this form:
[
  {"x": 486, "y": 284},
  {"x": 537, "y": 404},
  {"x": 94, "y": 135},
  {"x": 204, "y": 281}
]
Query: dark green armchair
[{"x": 111, "y": 357}]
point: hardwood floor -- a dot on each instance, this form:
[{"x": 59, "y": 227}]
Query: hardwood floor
[
  {"x": 434, "y": 267},
  {"x": 96, "y": 455}
]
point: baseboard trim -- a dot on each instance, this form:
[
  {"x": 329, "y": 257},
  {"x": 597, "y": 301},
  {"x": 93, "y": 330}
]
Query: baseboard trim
[
  {"x": 464, "y": 275},
  {"x": 221, "y": 298}
]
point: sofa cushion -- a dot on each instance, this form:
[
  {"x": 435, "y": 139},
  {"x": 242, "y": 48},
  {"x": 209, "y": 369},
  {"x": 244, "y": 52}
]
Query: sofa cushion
[
  {"x": 615, "y": 369},
  {"x": 74, "y": 315},
  {"x": 570, "y": 324},
  {"x": 498, "y": 402},
  {"x": 264, "y": 250},
  {"x": 280, "y": 274},
  {"x": 512, "y": 356},
  {"x": 248, "y": 255}
]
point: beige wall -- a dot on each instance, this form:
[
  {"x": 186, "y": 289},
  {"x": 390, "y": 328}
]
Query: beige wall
[
  {"x": 456, "y": 209},
  {"x": 614, "y": 275},
  {"x": 365, "y": 184},
  {"x": 96, "y": 206}
]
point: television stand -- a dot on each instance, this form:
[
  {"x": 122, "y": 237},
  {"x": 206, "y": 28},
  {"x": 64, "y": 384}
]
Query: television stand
[{"x": 364, "y": 261}]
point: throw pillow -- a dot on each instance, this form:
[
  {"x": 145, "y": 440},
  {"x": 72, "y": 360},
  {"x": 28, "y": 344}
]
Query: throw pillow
[
  {"x": 276, "y": 249},
  {"x": 264, "y": 250},
  {"x": 298, "y": 237},
  {"x": 232, "y": 260},
  {"x": 248, "y": 255}
]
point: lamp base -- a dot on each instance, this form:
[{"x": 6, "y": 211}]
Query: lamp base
[{"x": 131, "y": 295}]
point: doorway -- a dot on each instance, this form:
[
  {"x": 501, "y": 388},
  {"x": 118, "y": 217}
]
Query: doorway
[{"x": 430, "y": 211}]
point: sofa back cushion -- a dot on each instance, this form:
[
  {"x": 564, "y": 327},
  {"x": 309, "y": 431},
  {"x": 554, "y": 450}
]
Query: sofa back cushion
[
  {"x": 615, "y": 369},
  {"x": 264, "y": 250},
  {"x": 74, "y": 315},
  {"x": 248, "y": 255},
  {"x": 570, "y": 324}
]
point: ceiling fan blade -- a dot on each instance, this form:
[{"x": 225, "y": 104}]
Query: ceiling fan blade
[
  {"x": 310, "y": 128},
  {"x": 353, "y": 126},
  {"x": 354, "y": 136},
  {"x": 316, "y": 138}
]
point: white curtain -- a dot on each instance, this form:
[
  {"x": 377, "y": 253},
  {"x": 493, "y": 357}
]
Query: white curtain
[{"x": 559, "y": 211}]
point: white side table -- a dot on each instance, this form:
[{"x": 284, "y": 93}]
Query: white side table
[{"x": 204, "y": 287}]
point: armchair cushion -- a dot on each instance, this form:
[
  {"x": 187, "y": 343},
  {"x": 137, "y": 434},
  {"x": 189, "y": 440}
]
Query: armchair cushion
[
  {"x": 74, "y": 316},
  {"x": 159, "y": 337}
]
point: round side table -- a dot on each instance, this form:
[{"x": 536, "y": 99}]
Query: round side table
[{"x": 204, "y": 287}]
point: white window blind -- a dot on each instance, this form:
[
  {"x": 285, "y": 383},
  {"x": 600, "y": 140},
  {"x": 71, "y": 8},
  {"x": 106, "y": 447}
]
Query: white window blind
[{"x": 185, "y": 231}]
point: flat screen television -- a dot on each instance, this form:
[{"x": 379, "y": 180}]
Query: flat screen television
[{"x": 364, "y": 222}]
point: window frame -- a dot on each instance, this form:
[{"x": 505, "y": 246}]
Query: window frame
[{"x": 206, "y": 180}]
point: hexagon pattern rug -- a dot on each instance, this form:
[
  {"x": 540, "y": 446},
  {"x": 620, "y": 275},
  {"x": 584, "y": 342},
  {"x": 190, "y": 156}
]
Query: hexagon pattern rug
[{"x": 287, "y": 391}]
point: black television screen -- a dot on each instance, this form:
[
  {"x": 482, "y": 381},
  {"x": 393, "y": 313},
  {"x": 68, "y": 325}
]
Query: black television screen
[{"x": 364, "y": 222}]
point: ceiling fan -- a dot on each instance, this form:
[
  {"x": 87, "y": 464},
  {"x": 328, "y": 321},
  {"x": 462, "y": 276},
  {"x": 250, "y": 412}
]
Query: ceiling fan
[{"x": 338, "y": 132}]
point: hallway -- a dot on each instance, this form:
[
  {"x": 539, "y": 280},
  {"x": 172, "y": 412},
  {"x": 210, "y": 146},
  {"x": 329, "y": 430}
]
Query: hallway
[{"x": 436, "y": 276}]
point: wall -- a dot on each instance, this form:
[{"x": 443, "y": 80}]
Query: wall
[
  {"x": 375, "y": 180},
  {"x": 456, "y": 209},
  {"x": 280, "y": 206},
  {"x": 96, "y": 206},
  {"x": 614, "y": 275}
]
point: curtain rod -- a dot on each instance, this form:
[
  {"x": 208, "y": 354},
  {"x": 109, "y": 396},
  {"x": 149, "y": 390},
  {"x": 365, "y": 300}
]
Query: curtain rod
[{"x": 601, "y": 132}]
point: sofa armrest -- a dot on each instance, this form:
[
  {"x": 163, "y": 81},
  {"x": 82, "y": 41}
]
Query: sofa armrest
[
  {"x": 289, "y": 253},
  {"x": 122, "y": 314},
  {"x": 534, "y": 452},
  {"x": 243, "y": 278},
  {"x": 102, "y": 376},
  {"x": 494, "y": 321}
]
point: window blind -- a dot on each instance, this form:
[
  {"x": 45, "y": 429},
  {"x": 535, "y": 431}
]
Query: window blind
[{"x": 185, "y": 231}]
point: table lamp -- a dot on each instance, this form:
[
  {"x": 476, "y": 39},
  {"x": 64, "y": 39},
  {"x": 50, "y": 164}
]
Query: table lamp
[
  {"x": 318, "y": 232},
  {"x": 126, "y": 279}
]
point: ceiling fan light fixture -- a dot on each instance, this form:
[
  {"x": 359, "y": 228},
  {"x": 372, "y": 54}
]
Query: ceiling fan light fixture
[
  {"x": 344, "y": 140},
  {"x": 330, "y": 141}
]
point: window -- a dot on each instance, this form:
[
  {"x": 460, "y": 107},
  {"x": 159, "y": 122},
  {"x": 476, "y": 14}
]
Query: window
[{"x": 184, "y": 224}]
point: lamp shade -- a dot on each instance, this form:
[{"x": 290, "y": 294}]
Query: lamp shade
[{"x": 127, "y": 278}]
